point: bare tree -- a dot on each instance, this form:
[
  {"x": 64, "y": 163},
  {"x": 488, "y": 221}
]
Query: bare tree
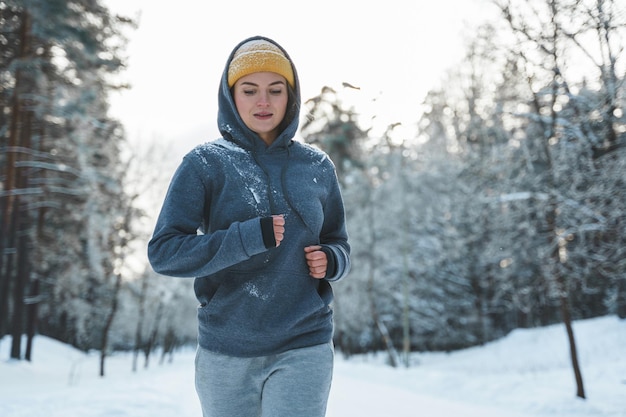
[{"x": 550, "y": 34}]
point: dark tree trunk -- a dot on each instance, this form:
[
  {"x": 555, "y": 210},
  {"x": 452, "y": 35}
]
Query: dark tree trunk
[
  {"x": 8, "y": 203},
  {"x": 566, "y": 315},
  {"x": 31, "y": 319},
  {"x": 109, "y": 322},
  {"x": 567, "y": 320}
]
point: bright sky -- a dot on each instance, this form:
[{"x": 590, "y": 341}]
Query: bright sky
[{"x": 395, "y": 50}]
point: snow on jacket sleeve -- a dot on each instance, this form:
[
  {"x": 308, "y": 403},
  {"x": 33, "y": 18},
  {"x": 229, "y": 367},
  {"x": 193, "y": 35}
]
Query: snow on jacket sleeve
[{"x": 177, "y": 249}]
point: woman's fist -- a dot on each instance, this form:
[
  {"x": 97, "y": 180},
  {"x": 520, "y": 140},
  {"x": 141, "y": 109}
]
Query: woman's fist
[
  {"x": 279, "y": 228},
  {"x": 316, "y": 260}
]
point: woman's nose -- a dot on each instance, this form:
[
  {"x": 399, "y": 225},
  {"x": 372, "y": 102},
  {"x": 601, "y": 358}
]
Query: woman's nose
[{"x": 263, "y": 99}]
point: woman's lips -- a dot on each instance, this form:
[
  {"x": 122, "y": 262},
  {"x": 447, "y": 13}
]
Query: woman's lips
[{"x": 263, "y": 116}]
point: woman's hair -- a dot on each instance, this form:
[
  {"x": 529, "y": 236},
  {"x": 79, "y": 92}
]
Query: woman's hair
[{"x": 293, "y": 108}]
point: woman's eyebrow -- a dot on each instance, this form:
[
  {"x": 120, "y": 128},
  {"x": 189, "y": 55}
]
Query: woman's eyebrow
[{"x": 256, "y": 85}]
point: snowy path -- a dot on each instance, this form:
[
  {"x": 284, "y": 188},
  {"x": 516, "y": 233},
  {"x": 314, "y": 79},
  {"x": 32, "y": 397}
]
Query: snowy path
[
  {"x": 372, "y": 397},
  {"x": 527, "y": 374},
  {"x": 168, "y": 391}
]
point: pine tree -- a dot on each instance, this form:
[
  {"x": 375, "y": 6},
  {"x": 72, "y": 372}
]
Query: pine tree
[{"x": 62, "y": 170}]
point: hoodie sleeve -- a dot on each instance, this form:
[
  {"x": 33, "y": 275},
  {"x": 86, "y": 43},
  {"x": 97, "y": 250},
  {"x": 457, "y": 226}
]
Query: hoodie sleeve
[
  {"x": 334, "y": 236},
  {"x": 177, "y": 249}
]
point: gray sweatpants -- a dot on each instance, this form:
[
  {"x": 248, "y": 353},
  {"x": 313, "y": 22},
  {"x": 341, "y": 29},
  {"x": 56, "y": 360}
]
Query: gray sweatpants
[{"x": 295, "y": 383}]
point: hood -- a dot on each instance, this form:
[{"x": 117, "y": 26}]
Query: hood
[{"x": 232, "y": 127}]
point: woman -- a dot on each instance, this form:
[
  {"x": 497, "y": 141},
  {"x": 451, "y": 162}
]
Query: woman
[{"x": 258, "y": 219}]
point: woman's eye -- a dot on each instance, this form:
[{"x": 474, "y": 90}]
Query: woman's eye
[
  {"x": 248, "y": 92},
  {"x": 276, "y": 92}
]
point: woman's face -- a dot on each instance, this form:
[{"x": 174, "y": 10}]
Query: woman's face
[{"x": 261, "y": 100}]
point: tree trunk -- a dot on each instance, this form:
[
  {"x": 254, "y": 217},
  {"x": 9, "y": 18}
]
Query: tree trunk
[
  {"x": 406, "y": 310},
  {"x": 371, "y": 293},
  {"x": 169, "y": 344},
  {"x": 140, "y": 320},
  {"x": 24, "y": 249},
  {"x": 21, "y": 282},
  {"x": 31, "y": 320},
  {"x": 153, "y": 335},
  {"x": 109, "y": 322},
  {"x": 567, "y": 320},
  {"x": 7, "y": 256},
  {"x": 563, "y": 296},
  {"x": 17, "y": 321},
  {"x": 553, "y": 240},
  {"x": 621, "y": 298},
  {"x": 8, "y": 220}
]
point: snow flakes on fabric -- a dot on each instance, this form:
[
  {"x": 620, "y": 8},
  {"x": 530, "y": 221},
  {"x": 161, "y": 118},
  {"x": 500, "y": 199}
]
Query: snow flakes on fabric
[
  {"x": 317, "y": 156},
  {"x": 254, "y": 291},
  {"x": 231, "y": 146},
  {"x": 239, "y": 168}
]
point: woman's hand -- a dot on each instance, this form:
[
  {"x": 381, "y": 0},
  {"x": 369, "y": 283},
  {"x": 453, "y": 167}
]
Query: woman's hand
[
  {"x": 316, "y": 260},
  {"x": 279, "y": 228}
]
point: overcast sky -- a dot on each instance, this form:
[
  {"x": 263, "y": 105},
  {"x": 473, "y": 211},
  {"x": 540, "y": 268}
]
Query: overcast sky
[{"x": 394, "y": 50}]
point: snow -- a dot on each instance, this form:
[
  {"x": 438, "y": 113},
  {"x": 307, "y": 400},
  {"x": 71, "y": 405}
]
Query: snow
[{"x": 527, "y": 373}]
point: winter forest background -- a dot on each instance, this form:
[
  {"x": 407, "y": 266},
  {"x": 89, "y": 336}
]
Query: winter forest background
[{"x": 505, "y": 209}]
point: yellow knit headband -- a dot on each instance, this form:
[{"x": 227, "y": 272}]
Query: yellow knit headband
[{"x": 257, "y": 56}]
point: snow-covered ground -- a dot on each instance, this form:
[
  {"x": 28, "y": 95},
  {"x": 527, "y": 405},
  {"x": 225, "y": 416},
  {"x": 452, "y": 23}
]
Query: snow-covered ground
[{"x": 526, "y": 374}]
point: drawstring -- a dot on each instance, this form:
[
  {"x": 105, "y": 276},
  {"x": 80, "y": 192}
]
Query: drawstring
[{"x": 283, "y": 183}]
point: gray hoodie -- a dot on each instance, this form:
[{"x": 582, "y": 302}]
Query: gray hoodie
[{"x": 255, "y": 299}]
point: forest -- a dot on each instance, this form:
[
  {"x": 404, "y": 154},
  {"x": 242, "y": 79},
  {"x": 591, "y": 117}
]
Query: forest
[{"x": 504, "y": 209}]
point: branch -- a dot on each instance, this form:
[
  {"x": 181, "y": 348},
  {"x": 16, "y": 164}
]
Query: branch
[{"x": 49, "y": 166}]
